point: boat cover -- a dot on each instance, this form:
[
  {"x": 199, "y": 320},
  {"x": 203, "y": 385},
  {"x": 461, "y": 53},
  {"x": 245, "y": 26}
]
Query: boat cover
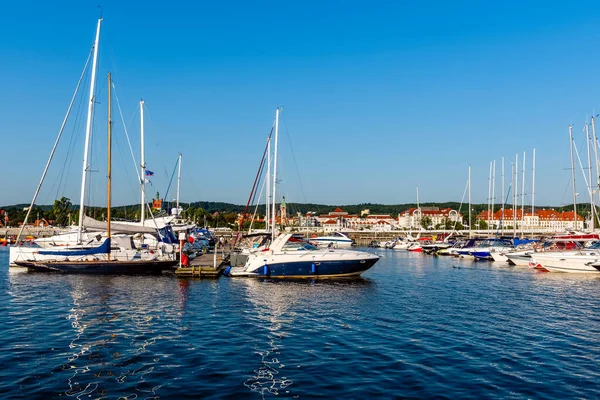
[{"x": 103, "y": 248}]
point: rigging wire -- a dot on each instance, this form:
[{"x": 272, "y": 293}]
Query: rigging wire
[
  {"x": 54, "y": 148},
  {"x": 135, "y": 168},
  {"x": 461, "y": 203},
  {"x": 262, "y": 161},
  {"x": 58, "y": 183},
  {"x": 256, "y": 208},
  {"x": 171, "y": 180},
  {"x": 295, "y": 162}
]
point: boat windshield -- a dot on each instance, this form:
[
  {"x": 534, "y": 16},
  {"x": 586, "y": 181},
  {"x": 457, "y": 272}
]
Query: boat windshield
[
  {"x": 595, "y": 245},
  {"x": 302, "y": 246}
]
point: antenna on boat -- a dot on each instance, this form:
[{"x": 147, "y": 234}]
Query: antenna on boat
[{"x": 100, "y": 7}]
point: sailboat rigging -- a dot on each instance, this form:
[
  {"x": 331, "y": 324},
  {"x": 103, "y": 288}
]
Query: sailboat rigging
[{"x": 99, "y": 265}]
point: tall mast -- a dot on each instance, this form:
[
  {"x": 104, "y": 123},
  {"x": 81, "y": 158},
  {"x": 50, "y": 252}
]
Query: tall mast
[
  {"x": 590, "y": 187},
  {"x": 268, "y": 191},
  {"x": 489, "y": 199},
  {"x": 274, "y": 213},
  {"x": 514, "y": 211},
  {"x": 142, "y": 163},
  {"x": 178, "y": 181},
  {"x": 523, "y": 196},
  {"x": 503, "y": 198},
  {"x": 595, "y": 141},
  {"x": 470, "y": 202},
  {"x": 493, "y": 191},
  {"x": 417, "y": 197},
  {"x": 573, "y": 178},
  {"x": 533, "y": 186},
  {"x": 109, "y": 172},
  {"x": 88, "y": 130}
]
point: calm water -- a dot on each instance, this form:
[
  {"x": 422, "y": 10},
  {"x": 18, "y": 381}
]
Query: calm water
[{"x": 415, "y": 326}]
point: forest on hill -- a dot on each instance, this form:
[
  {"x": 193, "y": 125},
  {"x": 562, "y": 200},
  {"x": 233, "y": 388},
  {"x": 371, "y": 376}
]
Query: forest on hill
[{"x": 215, "y": 213}]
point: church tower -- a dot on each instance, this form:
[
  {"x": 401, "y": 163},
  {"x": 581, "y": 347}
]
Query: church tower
[{"x": 283, "y": 212}]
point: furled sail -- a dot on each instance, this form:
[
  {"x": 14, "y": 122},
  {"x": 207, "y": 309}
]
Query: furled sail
[{"x": 99, "y": 226}]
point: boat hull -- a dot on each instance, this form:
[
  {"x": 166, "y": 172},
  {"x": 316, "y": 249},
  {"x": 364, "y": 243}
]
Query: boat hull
[
  {"x": 101, "y": 267},
  {"x": 310, "y": 269},
  {"x": 579, "y": 265},
  {"x": 481, "y": 255}
]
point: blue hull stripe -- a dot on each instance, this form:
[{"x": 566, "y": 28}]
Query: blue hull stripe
[
  {"x": 326, "y": 268},
  {"x": 481, "y": 254}
]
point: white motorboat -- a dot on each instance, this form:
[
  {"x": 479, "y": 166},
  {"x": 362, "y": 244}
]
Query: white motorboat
[
  {"x": 580, "y": 261},
  {"x": 337, "y": 240},
  {"x": 300, "y": 259}
]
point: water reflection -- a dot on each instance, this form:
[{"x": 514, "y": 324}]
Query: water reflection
[
  {"x": 116, "y": 326},
  {"x": 414, "y": 327},
  {"x": 276, "y": 305}
]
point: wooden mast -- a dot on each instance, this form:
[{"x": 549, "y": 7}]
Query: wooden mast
[{"x": 109, "y": 172}]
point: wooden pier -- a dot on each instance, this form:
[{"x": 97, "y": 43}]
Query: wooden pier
[{"x": 205, "y": 266}]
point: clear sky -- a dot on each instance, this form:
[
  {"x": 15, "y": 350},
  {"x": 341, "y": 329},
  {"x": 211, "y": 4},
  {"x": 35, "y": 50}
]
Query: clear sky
[{"x": 379, "y": 97}]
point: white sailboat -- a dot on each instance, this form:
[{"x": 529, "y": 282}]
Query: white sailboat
[
  {"x": 89, "y": 233},
  {"x": 104, "y": 259}
]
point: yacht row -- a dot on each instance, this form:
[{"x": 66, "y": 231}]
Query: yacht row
[{"x": 576, "y": 253}]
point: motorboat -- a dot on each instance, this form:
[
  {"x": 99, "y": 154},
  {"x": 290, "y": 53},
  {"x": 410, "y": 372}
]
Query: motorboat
[
  {"x": 294, "y": 258},
  {"x": 579, "y": 261},
  {"x": 337, "y": 240},
  {"x": 415, "y": 247},
  {"x": 484, "y": 250}
]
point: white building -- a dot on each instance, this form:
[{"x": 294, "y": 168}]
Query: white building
[{"x": 411, "y": 218}]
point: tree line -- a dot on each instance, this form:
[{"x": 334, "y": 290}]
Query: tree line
[{"x": 221, "y": 214}]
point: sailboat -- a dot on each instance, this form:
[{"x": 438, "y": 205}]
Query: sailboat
[
  {"x": 88, "y": 238},
  {"x": 103, "y": 264}
]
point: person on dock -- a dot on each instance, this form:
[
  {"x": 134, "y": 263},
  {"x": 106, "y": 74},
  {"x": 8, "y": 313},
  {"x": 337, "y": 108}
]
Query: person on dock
[{"x": 188, "y": 248}]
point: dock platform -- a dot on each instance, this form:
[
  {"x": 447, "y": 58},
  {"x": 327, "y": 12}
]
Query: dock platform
[{"x": 204, "y": 266}]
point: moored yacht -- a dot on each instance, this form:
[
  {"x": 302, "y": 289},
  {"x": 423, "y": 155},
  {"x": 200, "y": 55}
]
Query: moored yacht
[
  {"x": 580, "y": 261},
  {"x": 300, "y": 259},
  {"x": 338, "y": 240}
]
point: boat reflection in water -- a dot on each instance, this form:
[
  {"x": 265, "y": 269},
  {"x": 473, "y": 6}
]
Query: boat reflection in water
[
  {"x": 282, "y": 312},
  {"x": 117, "y": 331}
]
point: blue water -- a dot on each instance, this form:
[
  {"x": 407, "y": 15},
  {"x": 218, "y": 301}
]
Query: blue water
[{"x": 415, "y": 326}]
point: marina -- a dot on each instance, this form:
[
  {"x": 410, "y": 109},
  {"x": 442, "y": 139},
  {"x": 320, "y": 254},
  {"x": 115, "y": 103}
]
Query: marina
[{"x": 365, "y": 261}]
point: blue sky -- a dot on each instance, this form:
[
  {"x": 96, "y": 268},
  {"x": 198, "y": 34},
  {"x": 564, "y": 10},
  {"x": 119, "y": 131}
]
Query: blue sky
[{"x": 378, "y": 97}]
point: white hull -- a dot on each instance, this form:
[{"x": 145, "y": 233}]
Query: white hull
[
  {"x": 32, "y": 254},
  {"x": 499, "y": 257},
  {"x": 402, "y": 245},
  {"x": 519, "y": 259},
  {"x": 568, "y": 263}
]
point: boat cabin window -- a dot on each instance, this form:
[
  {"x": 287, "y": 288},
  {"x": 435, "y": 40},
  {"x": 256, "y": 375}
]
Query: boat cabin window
[{"x": 302, "y": 246}]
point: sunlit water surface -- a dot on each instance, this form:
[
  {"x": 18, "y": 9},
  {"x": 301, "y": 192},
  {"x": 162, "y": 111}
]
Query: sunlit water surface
[{"x": 414, "y": 326}]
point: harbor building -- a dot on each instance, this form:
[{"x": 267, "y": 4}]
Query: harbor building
[
  {"x": 548, "y": 220},
  {"x": 412, "y": 218}
]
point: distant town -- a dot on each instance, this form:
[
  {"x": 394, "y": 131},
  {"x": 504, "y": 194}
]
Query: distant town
[{"x": 369, "y": 217}]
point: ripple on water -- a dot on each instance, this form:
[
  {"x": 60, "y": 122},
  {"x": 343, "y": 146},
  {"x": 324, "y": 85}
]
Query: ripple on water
[{"x": 414, "y": 326}]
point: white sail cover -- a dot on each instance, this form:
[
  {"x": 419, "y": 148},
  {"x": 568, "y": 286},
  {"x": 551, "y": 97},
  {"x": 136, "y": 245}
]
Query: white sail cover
[{"x": 100, "y": 226}]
